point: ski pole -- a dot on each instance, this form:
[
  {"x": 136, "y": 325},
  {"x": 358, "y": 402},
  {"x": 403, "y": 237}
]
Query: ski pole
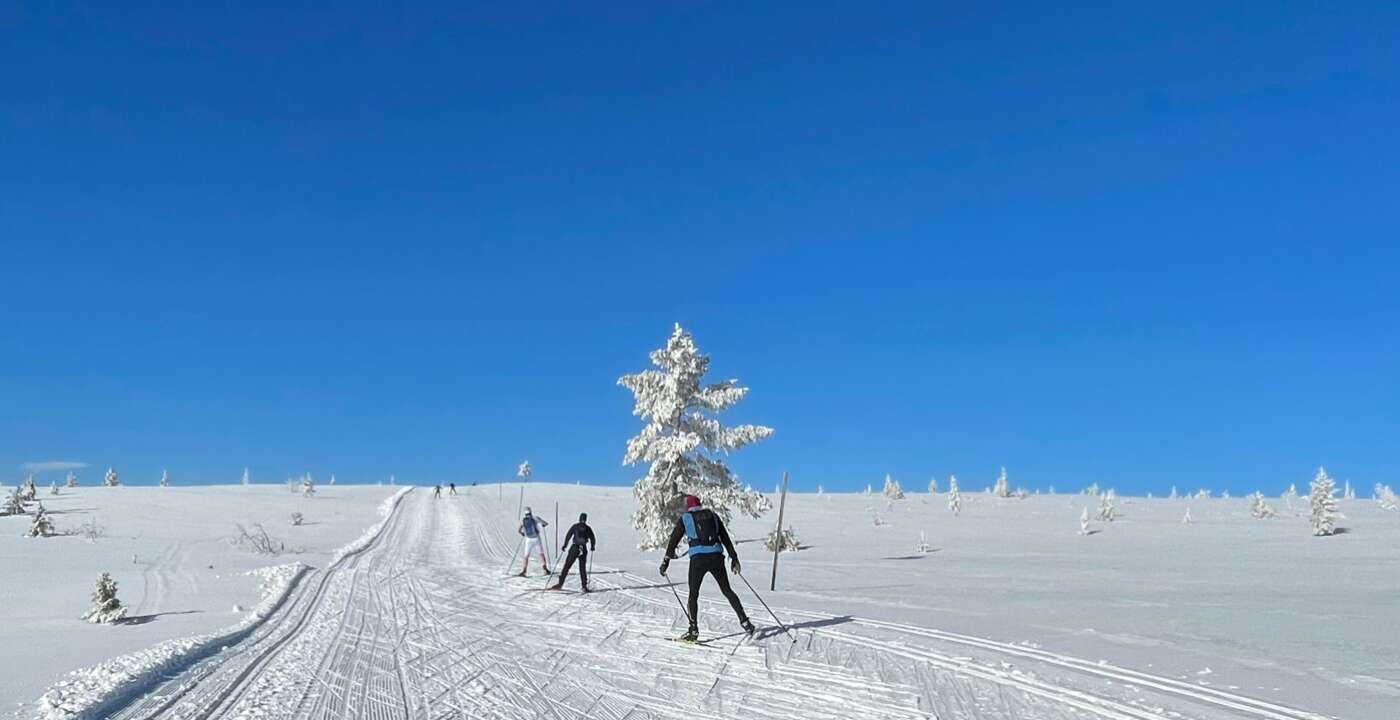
[
  {"x": 765, "y": 607},
  {"x": 515, "y": 554},
  {"x": 684, "y": 609}
]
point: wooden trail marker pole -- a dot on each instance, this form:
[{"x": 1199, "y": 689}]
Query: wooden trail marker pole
[{"x": 782, "y": 503}]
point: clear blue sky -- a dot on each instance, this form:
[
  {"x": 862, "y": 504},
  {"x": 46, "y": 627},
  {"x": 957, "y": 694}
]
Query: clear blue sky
[{"x": 1127, "y": 245}]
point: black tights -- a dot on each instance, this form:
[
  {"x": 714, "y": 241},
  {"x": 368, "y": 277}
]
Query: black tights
[{"x": 713, "y": 564}]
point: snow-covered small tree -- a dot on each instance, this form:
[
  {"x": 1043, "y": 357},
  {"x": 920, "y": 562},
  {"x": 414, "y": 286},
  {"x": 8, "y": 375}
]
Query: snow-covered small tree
[
  {"x": 1291, "y": 492},
  {"x": 106, "y": 608},
  {"x": 1106, "y": 508},
  {"x": 1225, "y": 494},
  {"x": 869, "y": 490},
  {"x": 298, "y": 518},
  {"x": 53, "y": 488},
  {"x": 892, "y": 490},
  {"x": 308, "y": 486},
  {"x": 1203, "y": 494},
  {"x": 933, "y": 486},
  {"x": 682, "y": 442},
  {"x": 1084, "y": 521},
  {"x": 1173, "y": 496},
  {"x": 1324, "y": 506},
  {"x": 1186, "y": 519},
  {"x": 1001, "y": 489},
  {"x": 954, "y": 498},
  {"x": 787, "y": 537},
  {"x": 1093, "y": 489},
  {"x": 14, "y": 503},
  {"x": 332, "y": 480},
  {"x": 1348, "y": 492},
  {"x": 393, "y": 481},
  {"x": 41, "y": 526},
  {"x": 1258, "y": 508},
  {"x": 821, "y": 490},
  {"x": 165, "y": 478},
  {"x": 28, "y": 490},
  {"x": 923, "y": 546},
  {"x": 523, "y": 472},
  {"x": 110, "y": 479},
  {"x": 1385, "y": 497},
  {"x": 247, "y": 478},
  {"x": 72, "y": 479}
]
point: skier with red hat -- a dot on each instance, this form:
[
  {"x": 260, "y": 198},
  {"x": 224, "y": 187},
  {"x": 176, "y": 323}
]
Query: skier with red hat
[{"x": 708, "y": 540}]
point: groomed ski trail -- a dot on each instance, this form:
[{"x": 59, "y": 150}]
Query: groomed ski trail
[{"x": 420, "y": 623}]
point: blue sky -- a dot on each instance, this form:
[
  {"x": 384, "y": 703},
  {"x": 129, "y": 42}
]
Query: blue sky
[{"x": 1093, "y": 244}]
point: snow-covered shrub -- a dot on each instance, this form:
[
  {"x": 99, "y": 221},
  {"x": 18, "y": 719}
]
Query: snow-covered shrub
[
  {"x": 247, "y": 479},
  {"x": 72, "y": 479},
  {"x": 1203, "y": 494},
  {"x": 1385, "y": 497},
  {"x": 14, "y": 504},
  {"x": 1001, "y": 489},
  {"x": 297, "y": 518},
  {"x": 110, "y": 479},
  {"x": 90, "y": 530},
  {"x": 1186, "y": 519},
  {"x": 892, "y": 490},
  {"x": 879, "y": 521},
  {"x": 41, "y": 525},
  {"x": 1324, "y": 506},
  {"x": 787, "y": 537},
  {"x": 308, "y": 486},
  {"x": 332, "y": 480},
  {"x": 523, "y": 472},
  {"x": 1084, "y": 522},
  {"x": 933, "y": 486},
  {"x": 954, "y": 498},
  {"x": 53, "y": 488},
  {"x": 165, "y": 478},
  {"x": 683, "y": 442},
  {"x": 106, "y": 608},
  {"x": 1258, "y": 508},
  {"x": 1093, "y": 489},
  {"x": 923, "y": 546},
  {"x": 1173, "y": 496},
  {"x": 1106, "y": 508},
  {"x": 1225, "y": 494}
]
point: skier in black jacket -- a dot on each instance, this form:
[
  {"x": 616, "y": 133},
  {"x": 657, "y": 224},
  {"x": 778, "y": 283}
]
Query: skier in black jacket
[
  {"x": 708, "y": 542},
  {"x": 574, "y": 541}
]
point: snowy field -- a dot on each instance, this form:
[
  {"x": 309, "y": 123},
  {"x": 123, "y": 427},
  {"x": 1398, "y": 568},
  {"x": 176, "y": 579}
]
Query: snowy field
[
  {"x": 169, "y": 551},
  {"x": 1010, "y": 613}
]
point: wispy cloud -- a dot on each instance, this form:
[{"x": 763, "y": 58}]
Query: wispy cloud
[{"x": 48, "y": 465}]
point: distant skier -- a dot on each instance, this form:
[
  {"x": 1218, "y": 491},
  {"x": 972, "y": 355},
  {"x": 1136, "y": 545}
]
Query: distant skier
[
  {"x": 451, "y": 488},
  {"x": 529, "y": 529},
  {"x": 708, "y": 542},
  {"x": 574, "y": 541},
  {"x": 437, "y": 490}
]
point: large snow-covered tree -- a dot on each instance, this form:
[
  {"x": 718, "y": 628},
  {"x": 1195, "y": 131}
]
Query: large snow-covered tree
[
  {"x": 41, "y": 526},
  {"x": 110, "y": 479},
  {"x": 523, "y": 472},
  {"x": 1001, "y": 489},
  {"x": 1324, "y": 505},
  {"x": 1385, "y": 497},
  {"x": 14, "y": 504},
  {"x": 682, "y": 442},
  {"x": 1258, "y": 508},
  {"x": 892, "y": 490},
  {"x": 106, "y": 608},
  {"x": 1106, "y": 507},
  {"x": 954, "y": 497}
]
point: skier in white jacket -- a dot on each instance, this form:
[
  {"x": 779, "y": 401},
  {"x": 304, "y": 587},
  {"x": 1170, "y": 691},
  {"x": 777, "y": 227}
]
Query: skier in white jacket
[{"x": 530, "y": 527}]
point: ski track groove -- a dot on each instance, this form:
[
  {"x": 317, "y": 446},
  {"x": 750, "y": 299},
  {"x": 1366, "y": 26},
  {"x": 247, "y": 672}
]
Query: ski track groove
[{"x": 418, "y": 623}]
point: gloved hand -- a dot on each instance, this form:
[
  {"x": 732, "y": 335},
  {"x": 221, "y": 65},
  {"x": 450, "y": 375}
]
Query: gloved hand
[
  {"x": 593, "y": 549},
  {"x": 665, "y": 563},
  {"x": 734, "y": 566}
]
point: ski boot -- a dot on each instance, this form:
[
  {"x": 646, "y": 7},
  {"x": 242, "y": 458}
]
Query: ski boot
[
  {"x": 691, "y": 635},
  {"x": 557, "y": 586},
  {"x": 747, "y": 625}
]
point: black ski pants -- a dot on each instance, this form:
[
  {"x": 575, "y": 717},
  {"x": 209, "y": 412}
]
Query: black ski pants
[
  {"x": 580, "y": 553},
  {"x": 711, "y": 564}
]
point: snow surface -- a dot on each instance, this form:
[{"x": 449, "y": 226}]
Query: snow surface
[
  {"x": 168, "y": 550},
  {"x": 1012, "y": 614}
]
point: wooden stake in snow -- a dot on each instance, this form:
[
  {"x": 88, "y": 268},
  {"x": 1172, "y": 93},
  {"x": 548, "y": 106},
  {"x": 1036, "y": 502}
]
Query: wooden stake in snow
[{"x": 782, "y": 502}]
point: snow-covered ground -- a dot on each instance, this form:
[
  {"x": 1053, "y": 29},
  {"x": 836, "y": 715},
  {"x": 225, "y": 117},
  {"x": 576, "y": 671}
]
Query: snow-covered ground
[
  {"x": 169, "y": 551},
  {"x": 1011, "y": 614}
]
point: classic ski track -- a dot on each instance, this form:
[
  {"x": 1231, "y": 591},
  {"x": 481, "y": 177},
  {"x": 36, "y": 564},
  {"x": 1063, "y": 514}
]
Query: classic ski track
[{"x": 1241, "y": 705}]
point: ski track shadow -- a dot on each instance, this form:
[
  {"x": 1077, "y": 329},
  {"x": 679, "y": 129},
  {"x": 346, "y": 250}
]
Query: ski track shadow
[
  {"x": 657, "y": 586},
  {"x": 774, "y": 631},
  {"x": 143, "y": 619},
  {"x": 917, "y": 556}
]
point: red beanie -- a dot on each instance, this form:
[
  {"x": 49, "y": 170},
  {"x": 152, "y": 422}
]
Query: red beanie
[{"x": 691, "y": 502}]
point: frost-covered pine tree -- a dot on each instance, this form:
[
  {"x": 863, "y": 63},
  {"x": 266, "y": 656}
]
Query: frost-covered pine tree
[
  {"x": 1186, "y": 519},
  {"x": 14, "y": 503},
  {"x": 1385, "y": 497},
  {"x": 1348, "y": 493},
  {"x": 1225, "y": 494},
  {"x": 1106, "y": 508},
  {"x": 1084, "y": 521},
  {"x": 41, "y": 526},
  {"x": 1324, "y": 506},
  {"x": 954, "y": 498},
  {"x": 1173, "y": 496},
  {"x": 165, "y": 478},
  {"x": 1001, "y": 489},
  {"x": 923, "y": 546},
  {"x": 72, "y": 479},
  {"x": 332, "y": 480},
  {"x": 110, "y": 479},
  {"x": 523, "y": 472},
  {"x": 682, "y": 442},
  {"x": 1203, "y": 494},
  {"x": 53, "y": 488},
  {"x": 821, "y": 490},
  {"x": 1258, "y": 508},
  {"x": 933, "y": 486},
  {"x": 892, "y": 490},
  {"x": 247, "y": 479},
  {"x": 308, "y": 486},
  {"x": 106, "y": 608},
  {"x": 787, "y": 537},
  {"x": 869, "y": 490},
  {"x": 1093, "y": 489}
]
